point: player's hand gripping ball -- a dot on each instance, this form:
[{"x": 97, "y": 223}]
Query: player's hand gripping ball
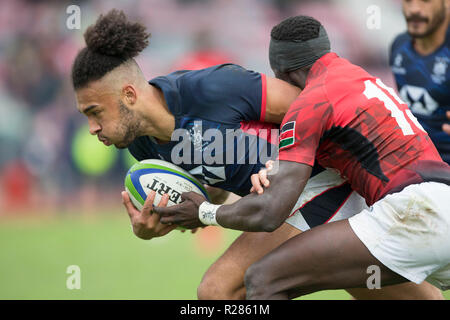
[{"x": 161, "y": 177}]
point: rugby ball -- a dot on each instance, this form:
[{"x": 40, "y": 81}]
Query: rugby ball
[{"x": 161, "y": 177}]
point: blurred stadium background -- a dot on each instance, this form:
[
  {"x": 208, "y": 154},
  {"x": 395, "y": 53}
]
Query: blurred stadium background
[{"x": 60, "y": 188}]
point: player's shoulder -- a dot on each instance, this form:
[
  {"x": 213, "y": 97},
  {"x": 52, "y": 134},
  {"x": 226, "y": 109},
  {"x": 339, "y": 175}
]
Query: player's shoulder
[
  {"x": 225, "y": 91},
  {"x": 341, "y": 77},
  {"x": 208, "y": 76},
  {"x": 218, "y": 77},
  {"x": 183, "y": 89},
  {"x": 207, "y": 82}
]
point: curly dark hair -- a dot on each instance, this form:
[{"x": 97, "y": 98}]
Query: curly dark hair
[
  {"x": 111, "y": 41},
  {"x": 296, "y": 28}
]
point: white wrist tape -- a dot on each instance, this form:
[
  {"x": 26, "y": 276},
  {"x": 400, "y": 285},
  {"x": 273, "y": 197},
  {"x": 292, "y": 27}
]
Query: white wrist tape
[{"x": 207, "y": 213}]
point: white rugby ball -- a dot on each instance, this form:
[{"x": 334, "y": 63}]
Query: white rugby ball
[{"x": 161, "y": 177}]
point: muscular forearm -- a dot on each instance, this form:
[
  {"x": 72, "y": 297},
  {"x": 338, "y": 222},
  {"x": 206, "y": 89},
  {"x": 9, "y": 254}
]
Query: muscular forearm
[
  {"x": 263, "y": 212},
  {"x": 266, "y": 212},
  {"x": 247, "y": 214},
  {"x": 251, "y": 213}
]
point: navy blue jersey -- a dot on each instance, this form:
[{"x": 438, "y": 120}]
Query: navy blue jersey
[
  {"x": 227, "y": 100},
  {"x": 424, "y": 84}
]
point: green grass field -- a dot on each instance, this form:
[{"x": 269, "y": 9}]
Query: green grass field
[{"x": 35, "y": 254}]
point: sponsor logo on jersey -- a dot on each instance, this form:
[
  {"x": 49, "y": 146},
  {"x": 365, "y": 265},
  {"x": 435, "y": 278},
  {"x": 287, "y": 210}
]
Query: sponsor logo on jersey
[
  {"x": 196, "y": 136},
  {"x": 439, "y": 70},
  {"x": 209, "y": 174},
  {"x": 419, "y": 100},
  {"x": 287, "y": 135},
  {"x": 397, "y": 65}
]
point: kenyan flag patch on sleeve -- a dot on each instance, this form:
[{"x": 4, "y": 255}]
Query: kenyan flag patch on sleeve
[{"x": 287, "y": 135}]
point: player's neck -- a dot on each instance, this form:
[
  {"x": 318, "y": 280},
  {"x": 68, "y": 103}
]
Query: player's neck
[
  {"x": 429, "y": 44},
  {"x": 160, "y": 121}
]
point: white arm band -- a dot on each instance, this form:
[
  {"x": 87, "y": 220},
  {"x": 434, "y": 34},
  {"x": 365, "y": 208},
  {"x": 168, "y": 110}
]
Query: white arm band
[{"x": 207, "y": 213}]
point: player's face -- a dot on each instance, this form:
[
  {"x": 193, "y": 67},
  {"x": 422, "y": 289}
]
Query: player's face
[
  {"x": 108, "y": 117},
  {"x": 423, "y": 17}
]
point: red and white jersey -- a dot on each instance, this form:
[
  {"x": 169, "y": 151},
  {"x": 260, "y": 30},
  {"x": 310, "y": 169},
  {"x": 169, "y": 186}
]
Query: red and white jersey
[{"x": 348, "y": 120}]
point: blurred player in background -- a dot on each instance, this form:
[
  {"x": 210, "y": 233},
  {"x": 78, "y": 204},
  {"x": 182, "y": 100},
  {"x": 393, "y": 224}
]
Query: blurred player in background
[
  {"x": 203, "y": 54},
  {"x": 125, "y": 110},
  {"x": 350, "y": 121},
  {"x": 420, "y": 60}
]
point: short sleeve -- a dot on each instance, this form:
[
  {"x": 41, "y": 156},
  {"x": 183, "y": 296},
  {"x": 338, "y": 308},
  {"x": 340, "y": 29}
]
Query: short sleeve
[{"x": 305, "y": 123}]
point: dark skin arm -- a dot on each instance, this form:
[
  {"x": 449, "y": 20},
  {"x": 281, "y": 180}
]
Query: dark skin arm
[{"x": 264, "y": 212}]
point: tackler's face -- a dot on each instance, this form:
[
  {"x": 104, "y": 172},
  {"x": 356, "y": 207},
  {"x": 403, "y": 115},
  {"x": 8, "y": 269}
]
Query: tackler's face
[
  {"x": 423, "y": 17},
  {"x": 108, "y": 117}
]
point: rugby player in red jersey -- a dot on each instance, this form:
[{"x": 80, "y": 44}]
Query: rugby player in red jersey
[{"x": 350, "y": 121}]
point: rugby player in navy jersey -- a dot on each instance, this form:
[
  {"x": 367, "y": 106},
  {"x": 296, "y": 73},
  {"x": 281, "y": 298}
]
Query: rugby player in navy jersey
[
  {"x": 420, "y": 60},
  {"x": 126, "y": 110}
]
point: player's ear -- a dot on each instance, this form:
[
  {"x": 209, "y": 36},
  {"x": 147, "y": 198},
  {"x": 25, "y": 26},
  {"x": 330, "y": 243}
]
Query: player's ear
[{"x": 129, "y": 94}]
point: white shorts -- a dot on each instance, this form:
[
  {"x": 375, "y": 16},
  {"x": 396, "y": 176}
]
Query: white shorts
[
  {"x": 326, "y": 198},
  {"x": 409, "y": 232}
]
